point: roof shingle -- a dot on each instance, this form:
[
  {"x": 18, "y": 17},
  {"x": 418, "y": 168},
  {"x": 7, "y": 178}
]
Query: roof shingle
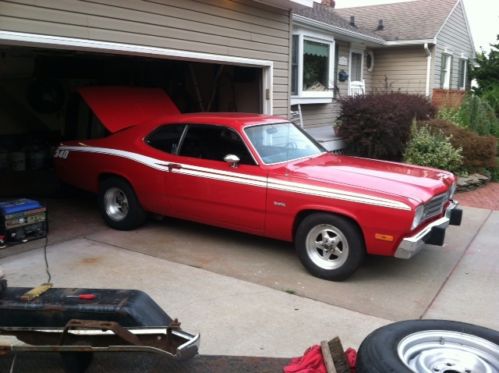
[
  {"x": 328, "y": 15},
  {"x": 412, "y": 20}
]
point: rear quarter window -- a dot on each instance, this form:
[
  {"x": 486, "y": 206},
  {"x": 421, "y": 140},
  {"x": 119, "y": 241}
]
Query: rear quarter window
[{"x": 166, "y": 138}]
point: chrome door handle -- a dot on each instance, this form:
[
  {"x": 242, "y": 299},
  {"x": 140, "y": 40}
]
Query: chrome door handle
[{"x": 175, "y": 166}]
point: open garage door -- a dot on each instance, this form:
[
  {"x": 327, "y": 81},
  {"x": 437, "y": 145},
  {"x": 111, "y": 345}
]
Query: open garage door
[{"x": 39, "y": 105}]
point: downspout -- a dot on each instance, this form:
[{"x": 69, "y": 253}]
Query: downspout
[{"x": 428, "y": 68}]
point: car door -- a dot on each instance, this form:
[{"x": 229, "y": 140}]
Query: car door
[{"x": 201, "y": 186}]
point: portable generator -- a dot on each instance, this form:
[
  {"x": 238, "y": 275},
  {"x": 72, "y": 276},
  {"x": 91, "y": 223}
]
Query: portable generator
[{"x": 22, "y": 220}]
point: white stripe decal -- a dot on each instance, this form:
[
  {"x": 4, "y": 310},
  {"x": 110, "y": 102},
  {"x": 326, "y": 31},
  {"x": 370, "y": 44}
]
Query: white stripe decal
[
  {"x": 148, "y": 161},
  {"x": 233, "y": 177}
]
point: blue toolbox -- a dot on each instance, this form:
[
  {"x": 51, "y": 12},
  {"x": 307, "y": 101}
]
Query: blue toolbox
[{"x": 22, "y": 220}]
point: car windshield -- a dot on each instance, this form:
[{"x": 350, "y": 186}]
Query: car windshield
[{"x": 282, "y": 142}]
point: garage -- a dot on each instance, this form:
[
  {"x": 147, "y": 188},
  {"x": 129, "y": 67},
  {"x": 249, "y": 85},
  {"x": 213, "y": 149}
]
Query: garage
[
  {"x": 39, "y": 105},
  {"x": 207, "y": 55}
]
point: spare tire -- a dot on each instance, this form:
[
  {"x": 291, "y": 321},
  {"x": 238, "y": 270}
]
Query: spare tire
[{"x": 436, "y": 346}]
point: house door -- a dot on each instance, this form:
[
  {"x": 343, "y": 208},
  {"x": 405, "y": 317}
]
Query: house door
[{"x": 357, "y": 85}]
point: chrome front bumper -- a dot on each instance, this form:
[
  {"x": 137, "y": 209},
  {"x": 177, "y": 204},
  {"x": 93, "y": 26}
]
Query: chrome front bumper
[{"x": 410, "y": 246}]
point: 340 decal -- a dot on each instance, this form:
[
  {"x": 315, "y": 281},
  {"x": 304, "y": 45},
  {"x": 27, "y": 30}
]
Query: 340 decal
[{"x": 61, "y": 153}]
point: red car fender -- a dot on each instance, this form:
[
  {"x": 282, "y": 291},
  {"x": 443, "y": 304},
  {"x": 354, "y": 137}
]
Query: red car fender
[
  {"x": 307, "y": 209},
  {"x": 377, "y": 241}
]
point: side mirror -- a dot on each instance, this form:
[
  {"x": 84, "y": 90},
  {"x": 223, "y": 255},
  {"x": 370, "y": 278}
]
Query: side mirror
[{"x": 232, "y": 159}]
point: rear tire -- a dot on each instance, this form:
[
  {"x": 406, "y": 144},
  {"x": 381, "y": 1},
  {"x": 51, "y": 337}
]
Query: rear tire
[
  {"x": 429, "y": 346},
  {"x": 329, "y": 246},
  {"x": 119, "y": 205}
]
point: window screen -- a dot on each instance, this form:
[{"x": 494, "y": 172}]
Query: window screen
[{"x": 356, "y": 72}]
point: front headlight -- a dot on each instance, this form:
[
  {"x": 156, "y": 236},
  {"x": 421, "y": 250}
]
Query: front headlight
[{"x": 417, "y": 216}]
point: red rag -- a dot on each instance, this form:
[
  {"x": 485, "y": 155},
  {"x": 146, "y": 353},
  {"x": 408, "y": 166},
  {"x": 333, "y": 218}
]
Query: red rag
[
  {"x": 351, "y": 356},
  {"x": 310, "y": 362}
]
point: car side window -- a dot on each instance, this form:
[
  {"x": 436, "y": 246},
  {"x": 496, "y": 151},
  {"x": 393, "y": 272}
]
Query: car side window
[
  {"x": 166, "y": 138},
  {"x": 214, "y": 143}
]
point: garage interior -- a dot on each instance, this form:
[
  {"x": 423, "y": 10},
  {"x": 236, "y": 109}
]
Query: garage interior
[{"x": 39, "y": 108}]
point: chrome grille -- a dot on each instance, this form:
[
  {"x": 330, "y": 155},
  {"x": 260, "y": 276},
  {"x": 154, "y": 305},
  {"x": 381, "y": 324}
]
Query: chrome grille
[{"x": 435, "y": 206}]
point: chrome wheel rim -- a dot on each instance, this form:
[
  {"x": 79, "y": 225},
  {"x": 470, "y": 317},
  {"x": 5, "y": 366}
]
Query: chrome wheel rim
[
  {"x": 116, "y": 204},
  {"x": 327, "y": 247},
  {"x": 443, "y": 351}
]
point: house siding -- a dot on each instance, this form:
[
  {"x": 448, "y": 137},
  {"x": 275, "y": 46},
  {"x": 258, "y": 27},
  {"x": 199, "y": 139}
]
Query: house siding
[
  {"x": 399, "y": 70},
  {"x": 317, "y": 115},
  {"x": 455, "y": 39},
  {"x": 239, "y": 28}
]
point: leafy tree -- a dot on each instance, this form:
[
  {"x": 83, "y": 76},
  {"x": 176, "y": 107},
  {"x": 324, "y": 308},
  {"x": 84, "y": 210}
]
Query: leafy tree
[{"x": 486, "y": 71}]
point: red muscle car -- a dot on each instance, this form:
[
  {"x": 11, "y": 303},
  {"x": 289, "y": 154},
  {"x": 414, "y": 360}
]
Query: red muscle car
[{"x": 257, "y": 174}]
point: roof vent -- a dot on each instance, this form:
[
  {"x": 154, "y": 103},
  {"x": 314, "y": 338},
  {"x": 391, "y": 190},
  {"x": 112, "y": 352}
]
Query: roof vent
[
  {"x": 329, "y": 3},
  {"x": 352, "y": 21},
  {"x": 380, "y": 25}
]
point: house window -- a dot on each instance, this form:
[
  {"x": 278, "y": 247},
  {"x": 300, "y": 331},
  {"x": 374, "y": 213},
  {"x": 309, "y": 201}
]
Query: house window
[
  {"x": 312, "y": 63},
  {"x": 445, "y": 71},
  {"x": 461, "y": 78},
  {"x": 315, "y": 66}
]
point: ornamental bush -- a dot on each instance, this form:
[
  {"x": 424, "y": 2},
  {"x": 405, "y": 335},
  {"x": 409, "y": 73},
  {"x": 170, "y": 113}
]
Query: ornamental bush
[
  {"x": 478, "y": 151},
  {"x": 491, "y": 96},
  {"x": 379, "y": 125},
  {"x": 477, "y": 115},
  {"x": 432, "y": 149}
]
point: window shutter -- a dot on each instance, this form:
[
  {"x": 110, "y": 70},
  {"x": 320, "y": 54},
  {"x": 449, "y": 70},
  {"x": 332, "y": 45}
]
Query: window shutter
[
  {"x": 336, "y": 90},
  {"x": 442, "y": 70},
  {"x": 467, "y": 80},
  {"x": 450, "y": 71},
  {"x": 460, "y": 75},
  {"x": 294, "y": 64}
]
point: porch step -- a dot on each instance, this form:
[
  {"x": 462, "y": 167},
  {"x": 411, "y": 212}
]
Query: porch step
[{"x": 326, "y": 136}]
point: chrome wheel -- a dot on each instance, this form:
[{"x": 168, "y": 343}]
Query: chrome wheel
[
  {"x": 443, "y": 351},
  {"x": 327, "y": 247},
  {"x": 116, "y": 204}
]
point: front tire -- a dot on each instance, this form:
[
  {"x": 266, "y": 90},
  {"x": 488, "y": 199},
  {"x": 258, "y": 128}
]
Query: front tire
[
  {"x": 429, "y": 346},
  {"x": 329, "y": 246},
  {"x": 119, "y": 205}
]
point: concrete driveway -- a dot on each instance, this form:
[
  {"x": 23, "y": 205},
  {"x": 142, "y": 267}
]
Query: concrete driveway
[{"x": 251, "y": 296}]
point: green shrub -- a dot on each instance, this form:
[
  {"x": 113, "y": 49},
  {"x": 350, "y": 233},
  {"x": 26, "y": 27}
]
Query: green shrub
[
  {"x": 477, "y": 115},
  {"x": 379, "y": 125},
  {"x": 491, "y": 96},
  {"x": 478, "y": 151},
  {"x": 432, "y": 149},
  {"x": 451, "y": 114}
]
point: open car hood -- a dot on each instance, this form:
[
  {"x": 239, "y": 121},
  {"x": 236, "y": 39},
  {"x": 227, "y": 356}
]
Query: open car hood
[{"x": 122, "y": 107}]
